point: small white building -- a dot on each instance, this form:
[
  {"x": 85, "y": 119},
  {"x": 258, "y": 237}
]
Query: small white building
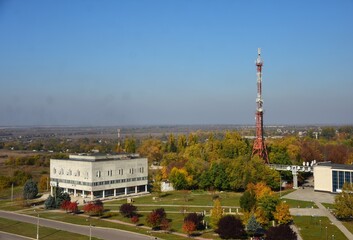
[
  {"x": 330, "y": 177},
  {"x": 100, "y": 175}
]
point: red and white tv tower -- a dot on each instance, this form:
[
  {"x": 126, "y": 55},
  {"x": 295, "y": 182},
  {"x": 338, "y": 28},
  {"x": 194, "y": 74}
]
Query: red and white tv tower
[{"x": 259, "y": 147}]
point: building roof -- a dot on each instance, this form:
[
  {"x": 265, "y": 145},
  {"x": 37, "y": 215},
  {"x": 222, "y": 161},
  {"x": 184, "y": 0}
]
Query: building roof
[
  {"x": 335, "y": 165},
  {"x": 95, "y": 157}
]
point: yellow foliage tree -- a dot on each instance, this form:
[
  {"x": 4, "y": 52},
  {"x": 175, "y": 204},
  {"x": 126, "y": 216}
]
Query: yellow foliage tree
[
  {"x": 216, "y": 214},
  {"x": 43, "y": 182},
  {"x": 260, "y": 189},
  {"x": 282, "y": 214}
]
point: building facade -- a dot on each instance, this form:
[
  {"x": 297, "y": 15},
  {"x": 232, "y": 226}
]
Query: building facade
[
  {"x": 100, "y": 176},
  {"x": 329, "y": 177}
]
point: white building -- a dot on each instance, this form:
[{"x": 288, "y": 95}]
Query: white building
[
  {"x": 330, "y": 177},
  {"x": 99, "y": 175}
]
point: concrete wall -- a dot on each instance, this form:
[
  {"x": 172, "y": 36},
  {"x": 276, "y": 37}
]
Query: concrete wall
[{"x": 323, "y": 178}]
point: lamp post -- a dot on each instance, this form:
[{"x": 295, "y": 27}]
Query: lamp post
[
  {"x": 37, "y": 223},
  {"x": 280, "y": 186},
  {"x": 90, "y": 227},
  {"x": 326, "y": 233}
]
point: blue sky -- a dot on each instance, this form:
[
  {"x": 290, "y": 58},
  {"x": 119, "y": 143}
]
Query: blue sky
[{"x": 139, "y": 62}]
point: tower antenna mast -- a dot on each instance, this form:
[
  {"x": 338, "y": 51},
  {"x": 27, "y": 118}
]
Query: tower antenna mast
[{"x": 259, "y": 147}]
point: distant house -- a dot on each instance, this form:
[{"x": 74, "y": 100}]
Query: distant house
[
  {"x": 166, "y": 186},
  {"x": 330, "y": 177},
  {"x": 100, "y": 175}
]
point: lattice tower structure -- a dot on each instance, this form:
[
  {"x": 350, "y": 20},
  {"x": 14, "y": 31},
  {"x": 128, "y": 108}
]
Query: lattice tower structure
[{"x": 259, "y": 147}]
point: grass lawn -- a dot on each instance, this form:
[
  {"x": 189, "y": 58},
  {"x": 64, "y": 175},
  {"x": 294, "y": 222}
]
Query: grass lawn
[
  {"x": 299, "y": 204},
  {"x": 30, "y": 230},
  {"x": 328, "y": 205},
  {"x": 348, "y": 225},
  {"x": 77, "y": 219},
  {"x": 201, "y": 198},
  {"x": 311, "y": 228}
]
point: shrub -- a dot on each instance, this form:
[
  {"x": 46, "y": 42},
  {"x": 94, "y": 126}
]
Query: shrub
[
  {"x": 94, "y": 208},
  {"x": 50, "y": 203},
  {"x": 30, "y": 189},
  {"x": 155, "y": 218},
  {"x": 135, "y": 219},
  {"x": 196, "y": 219},
  {"x": 280, "y": 232},
  {"x": 128, "y": 210},
  {"x": 230, "y": 227},
  {"x": 189, "y": 227}
]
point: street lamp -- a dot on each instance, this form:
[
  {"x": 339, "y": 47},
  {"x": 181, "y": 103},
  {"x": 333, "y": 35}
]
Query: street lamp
[
  {"x": 37, "y": 223},
  {"x": 90, "y": 227},
  {"x": 326, "y": 233},
  {"x": 280, "y": 186}
]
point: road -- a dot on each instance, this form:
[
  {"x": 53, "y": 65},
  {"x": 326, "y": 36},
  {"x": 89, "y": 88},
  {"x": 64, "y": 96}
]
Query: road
[
  {"x": 10, "y": 236},
  {"x": 99, "y": 232}
]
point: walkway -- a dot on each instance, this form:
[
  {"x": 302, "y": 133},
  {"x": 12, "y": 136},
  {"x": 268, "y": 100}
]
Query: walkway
[{"x": 308, "y": 194}]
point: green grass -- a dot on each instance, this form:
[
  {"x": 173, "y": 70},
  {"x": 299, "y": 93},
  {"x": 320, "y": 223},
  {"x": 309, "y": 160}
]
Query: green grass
[
  {"x": 328, "y": 205},
  {"x": 200, "y": 198},
  {"x": 30, "y": 230},
  {"x": 311, "y": 228},
  {"x": 348, "y": 225},
  {"x": 299, "y": 204}
]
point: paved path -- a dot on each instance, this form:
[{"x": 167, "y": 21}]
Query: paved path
[
  {"x": 11, "y": 236},
  {"x": 308, "y": 194}
]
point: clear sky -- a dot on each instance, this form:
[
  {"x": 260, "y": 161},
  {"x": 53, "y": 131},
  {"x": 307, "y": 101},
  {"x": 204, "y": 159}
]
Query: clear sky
[{"x": 137, "y": 62}]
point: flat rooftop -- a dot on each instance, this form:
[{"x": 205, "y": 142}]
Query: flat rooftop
[
  {"x": 335, "y": 165},
  {"x": 95, "y": 157}
]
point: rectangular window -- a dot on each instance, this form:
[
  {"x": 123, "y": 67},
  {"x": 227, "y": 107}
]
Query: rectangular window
[
  {"x": 340, "y": 179},
  {"x": 347, "y": 177}
]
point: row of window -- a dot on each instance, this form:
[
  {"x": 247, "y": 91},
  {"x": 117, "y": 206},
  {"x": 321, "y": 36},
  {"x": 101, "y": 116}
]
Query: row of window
[
  {"x": 339, "y": 178},
  {"x": 98, "y": 173},
  {"x": 99, "y": 183}
]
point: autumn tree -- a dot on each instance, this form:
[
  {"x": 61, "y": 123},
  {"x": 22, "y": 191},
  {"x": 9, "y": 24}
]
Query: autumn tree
[
  {"x": 130, "y": 145},
  {"x": 135, "y": 219},
  {"x": 94, "y": 208},
  {"x": 196, "y": 219},
  {"x": 281, "y": 232},
  {"x": 180, "y": 178},
  {"x": 155, "y": 218},
  {"x": 151, "y": 149},
  {"x": 344, "y": 202},
  {"x": 230, "y": 227},
  {"x": 282, "y": 214},
  {"x": 127, "y": 210},
  {"x": 216, "y": 213},
  {"x": 43, "y": 182},
  {"x": 189, "y": 227}
]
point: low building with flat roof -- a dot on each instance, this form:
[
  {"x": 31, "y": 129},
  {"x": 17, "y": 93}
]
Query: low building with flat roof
[
  {"x": 330, "y": 177},
  {"x": 100, "y": 175}
]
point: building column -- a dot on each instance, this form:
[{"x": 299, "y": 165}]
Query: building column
[
  {"x": 146, "y": 188},
  {"x": 74, "y": 192},
  {"x": 83, "y": 193},
  {"x": 103, "y": 195},
  {"x": 92, "y": 196},
  {"x": 126, "y": 191},
  {"x": 135, "y": 189},
  {"x": 66, "y": 190},
  {"x": 51, "y": 190},
  {"x": 114, "y": 192},
  {"x": 295, "y": 180}
]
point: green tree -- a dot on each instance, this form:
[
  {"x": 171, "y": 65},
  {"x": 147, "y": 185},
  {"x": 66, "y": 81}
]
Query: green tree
[
  {"x": 253, "y": 227},
  {"x": 344, "y": 202},
  {"x": 179, "y": 178},
  {"x": 216, "y": 214},
  {"x": 30, "y": 189},
  {"x": 248, "y": 201}
]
